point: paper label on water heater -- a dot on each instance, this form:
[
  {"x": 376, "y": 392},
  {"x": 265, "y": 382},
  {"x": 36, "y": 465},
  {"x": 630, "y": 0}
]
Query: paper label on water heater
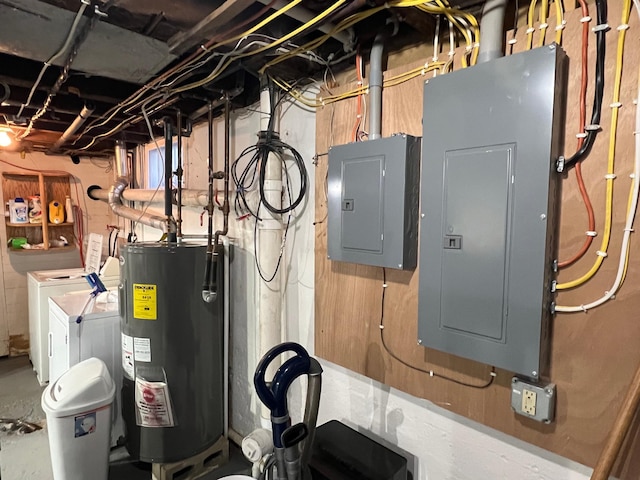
[
  {"x": 127, "y": 356},
  {"x": 145, "y": 301},
  {"x": 153, "y": 404},
  {"x": 142, "y": 349}
]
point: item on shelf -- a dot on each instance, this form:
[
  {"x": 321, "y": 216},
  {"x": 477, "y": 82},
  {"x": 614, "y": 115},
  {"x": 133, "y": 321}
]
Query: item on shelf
[
  {"x": 35, "y": 209},
  {"x": 68, "y": 207},
  {"x": 17, "y": 242},
  {"x": 18, "y": 211},
  {"x": 56, "y": 212}
]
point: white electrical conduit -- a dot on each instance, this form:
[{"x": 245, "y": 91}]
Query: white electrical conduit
[
  {"x": 65, "y": 46},
  {"x": 303, "y": 15},
  {"x": 269, "y": 245},
  {"x": 628, "y": 227}
]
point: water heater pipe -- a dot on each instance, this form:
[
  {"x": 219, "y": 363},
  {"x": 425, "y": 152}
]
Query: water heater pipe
[
  {"x": 269, "y": 244},
  {"x": 492, "y": 30},
  {"x": 168, "y": 178},
  {"x": 121, "y": 183},
  {"x": 209, "y": 292},
  {"x": 227, "y": 160},
  {"x": 375, "y": 86},
  {"x": 179, "y": 174}
]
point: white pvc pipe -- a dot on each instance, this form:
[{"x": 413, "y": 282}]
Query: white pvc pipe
[{"x": 269, "y": 243}]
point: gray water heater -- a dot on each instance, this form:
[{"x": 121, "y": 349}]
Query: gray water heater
[{"x": 172, "y": 347}]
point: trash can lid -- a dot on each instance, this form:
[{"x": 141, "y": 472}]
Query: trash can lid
[{"x": 85, "y": 386}]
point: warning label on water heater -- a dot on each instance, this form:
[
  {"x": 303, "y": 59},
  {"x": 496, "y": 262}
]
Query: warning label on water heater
[
  {"x": 144, "y": 301},
  {"x": 127, "y": 356},
  {"x": 153, "y": 404}
]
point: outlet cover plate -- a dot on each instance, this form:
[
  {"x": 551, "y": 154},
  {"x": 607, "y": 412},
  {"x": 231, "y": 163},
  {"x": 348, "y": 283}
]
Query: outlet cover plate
[{"x": 545, "y": 399}]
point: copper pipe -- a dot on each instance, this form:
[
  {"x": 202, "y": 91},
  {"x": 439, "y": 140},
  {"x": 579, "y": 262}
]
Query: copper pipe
[{"x": 619, "y": 431}]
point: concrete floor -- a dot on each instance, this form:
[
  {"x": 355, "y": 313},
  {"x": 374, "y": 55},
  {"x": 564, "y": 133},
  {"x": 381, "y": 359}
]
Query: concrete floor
[{"x": 27, "y": 456}]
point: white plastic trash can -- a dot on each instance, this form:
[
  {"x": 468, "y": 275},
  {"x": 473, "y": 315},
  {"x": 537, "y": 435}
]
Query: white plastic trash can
[{"x": 78, "y": 408}]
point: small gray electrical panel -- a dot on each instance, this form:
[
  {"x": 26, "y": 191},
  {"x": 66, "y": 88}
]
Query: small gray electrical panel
[
  {"x": 492, "y": 137},
  {"x": 533, "y": 400},
  {"x": 373, "y": 202}
]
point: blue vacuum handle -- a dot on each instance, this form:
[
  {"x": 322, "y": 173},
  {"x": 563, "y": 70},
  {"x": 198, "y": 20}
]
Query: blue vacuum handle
[{"x": 274, "y": 394}]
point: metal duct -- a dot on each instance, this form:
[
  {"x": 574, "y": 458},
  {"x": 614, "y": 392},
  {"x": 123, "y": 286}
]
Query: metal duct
[
  {"x": 121, "y": 183},
  {"x": 492, "y": 30}
]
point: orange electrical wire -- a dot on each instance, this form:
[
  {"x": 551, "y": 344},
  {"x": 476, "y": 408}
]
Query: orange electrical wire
[
  {"x": 356, "y": 127},
  {"x": 583, "y": 189}
]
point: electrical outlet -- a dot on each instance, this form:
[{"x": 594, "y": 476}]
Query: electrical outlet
[
  {"x": 529, "y": 402},
  {"x": 536, "y": 401}
]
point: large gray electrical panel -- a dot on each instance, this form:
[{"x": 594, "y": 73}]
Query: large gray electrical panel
[
  {"x": 492, "y": 136},
  {"x": 373, "y": 202}
]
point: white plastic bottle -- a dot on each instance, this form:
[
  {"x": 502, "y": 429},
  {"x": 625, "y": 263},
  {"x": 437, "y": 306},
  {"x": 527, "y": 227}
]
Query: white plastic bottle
[{"x": 68, "y": 206}]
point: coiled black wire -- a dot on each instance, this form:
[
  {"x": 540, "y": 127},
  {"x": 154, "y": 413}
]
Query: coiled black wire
[{"x": 601, "y": 8}]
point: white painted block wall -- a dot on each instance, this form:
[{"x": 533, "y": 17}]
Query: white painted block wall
[
  {"x": 13, "y": 282},
  {"x": 440, "y": 444}
]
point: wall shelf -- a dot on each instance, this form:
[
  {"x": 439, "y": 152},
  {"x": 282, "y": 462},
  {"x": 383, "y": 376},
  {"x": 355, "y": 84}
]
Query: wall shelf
[{"x": 50, "y": 186}]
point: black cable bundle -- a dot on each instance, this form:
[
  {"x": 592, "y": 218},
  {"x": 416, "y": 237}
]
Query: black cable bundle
[
  {"x": 601, "y": 7},
  {"x": 269, "y": 143}
]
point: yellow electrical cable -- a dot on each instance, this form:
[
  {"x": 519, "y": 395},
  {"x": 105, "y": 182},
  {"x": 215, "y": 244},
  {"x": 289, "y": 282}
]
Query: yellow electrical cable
[
  {"x": 626, "y": 11},
  {"x": 559, "y": 21},
  {"x": 544, "y": 16},
  {"x": 530, "y": 15},
  {"x": 353, "y": 19},
  {"x": 137, "y": 95},
  {"x": 281, "y": 40},
  {"x": 391, "y": 82}
]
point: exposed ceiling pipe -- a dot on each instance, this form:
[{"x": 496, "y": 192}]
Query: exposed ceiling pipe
[
  {"x": 65, "y": 46},
  {"x": 492, "y": 30},
  {"x": 73, "y": 128},
  {"x": 346, "y": 37},
  {"x": 78, "y": 40},
  {"x": 121, "y": 183},
  {"x": 375, "y": 86},
  {"x": 190, "y": 198}
]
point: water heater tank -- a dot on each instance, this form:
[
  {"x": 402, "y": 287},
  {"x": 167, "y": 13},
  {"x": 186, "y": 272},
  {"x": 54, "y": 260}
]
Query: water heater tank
[{"x": 172, "y": 352}]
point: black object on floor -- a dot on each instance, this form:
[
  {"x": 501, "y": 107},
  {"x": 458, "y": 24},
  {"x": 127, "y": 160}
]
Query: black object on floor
[{"x": 341, "y": 453}]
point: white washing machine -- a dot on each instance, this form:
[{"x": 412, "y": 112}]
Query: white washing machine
[
  {"x": 41, "y": 286},
  {"x": 96, "y": 335}
]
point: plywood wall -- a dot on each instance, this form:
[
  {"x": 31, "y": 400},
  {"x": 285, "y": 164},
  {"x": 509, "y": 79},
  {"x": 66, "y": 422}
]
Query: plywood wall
[{"x": 594, "y": 354}]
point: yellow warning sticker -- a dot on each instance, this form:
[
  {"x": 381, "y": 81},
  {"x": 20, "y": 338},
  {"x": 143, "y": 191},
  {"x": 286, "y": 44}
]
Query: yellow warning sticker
[{"x": 144, "y": 302}]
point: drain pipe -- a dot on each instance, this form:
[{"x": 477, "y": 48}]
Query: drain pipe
[
  {"x": 121, "y": 183},
  {"x": 269, "y": 244},
  {"x": 82, "y": 117},
  {"x": 375, "y": 86},
  {"x": 190, "y": 198},
  {"x": 492, "y": 30}
]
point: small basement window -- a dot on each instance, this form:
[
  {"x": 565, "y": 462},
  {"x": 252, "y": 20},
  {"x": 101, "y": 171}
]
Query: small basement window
[{"x": 154, "y": 165}]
